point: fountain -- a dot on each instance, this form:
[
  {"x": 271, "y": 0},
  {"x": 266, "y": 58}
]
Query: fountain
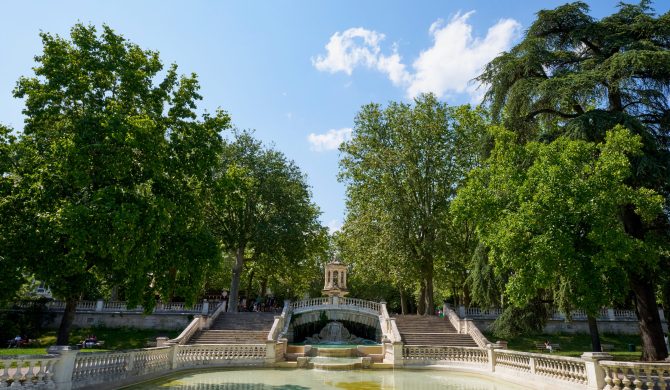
[{"x": 334, "y": 333}]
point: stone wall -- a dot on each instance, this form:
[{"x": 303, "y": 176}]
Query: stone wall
[
  {"x": 628, "y": 327},
  {"x": 167, "y": 321}
]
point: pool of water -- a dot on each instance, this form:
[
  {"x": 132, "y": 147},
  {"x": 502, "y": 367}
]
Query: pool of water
[{"x": 288, "y": 379}]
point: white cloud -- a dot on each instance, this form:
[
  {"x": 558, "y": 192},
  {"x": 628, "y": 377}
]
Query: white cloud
[
  {"x": 360, "y": 47},
  {"x": 330, "y": 140},
  {"x": 447, "y": 67},
  {"x": 457, "y": 57},
  {"x": 334, "y": 225}
]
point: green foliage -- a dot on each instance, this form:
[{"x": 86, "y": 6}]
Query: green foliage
[
  {"x": 262, "y": 214},
  {"x": 517, "y": 321},
  {"x": 110, "y": 171},
  {"x": 401, "y": 168},
  {"x": 550, "y": 216}
]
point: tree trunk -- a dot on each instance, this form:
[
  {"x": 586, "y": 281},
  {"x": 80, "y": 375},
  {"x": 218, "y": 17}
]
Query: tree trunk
[
  {"x": 430, "y": 304},
  {"x": 595, "y": 335},
  {"x": 250, "y": 293},
  {"x": 421, "y": 303},
  {"x": 264, "y": 286},
  {"x": 403, "y": 302},
  {"x": 63, "y": 337},
  {"x": 234, "y": 299},
  {"x": 651, "y": 329}
]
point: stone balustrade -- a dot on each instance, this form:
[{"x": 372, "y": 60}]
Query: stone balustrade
[
  {"x": 576, "y": 315},
  {"x": 203, "y": 355},
  {"x": 27, "y": 371},
  {"x": 636, "y": 375},
  {"x": 465, "y": 326},
  {"x": 106, "y": 370},
  {"x": 478, "y": 356},
  {"x": 203, "y": 307},
  {"x": 335, "y": 302}
]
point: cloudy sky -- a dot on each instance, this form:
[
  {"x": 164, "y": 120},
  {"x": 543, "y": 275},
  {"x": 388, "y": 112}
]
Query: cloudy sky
[{"x": 295, "y": 71}]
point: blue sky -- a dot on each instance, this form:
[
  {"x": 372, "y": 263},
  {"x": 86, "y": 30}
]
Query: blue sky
[{"x": 295, "y": 71}]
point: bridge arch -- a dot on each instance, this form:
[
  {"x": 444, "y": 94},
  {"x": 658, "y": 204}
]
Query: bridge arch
[{"x": 359, "y": 316}]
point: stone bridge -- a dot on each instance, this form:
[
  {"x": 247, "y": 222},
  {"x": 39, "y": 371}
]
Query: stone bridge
[{"x": 348, "y": 310}]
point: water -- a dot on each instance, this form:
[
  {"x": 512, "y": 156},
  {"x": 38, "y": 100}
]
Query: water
[{"x": 288, "y": 379}]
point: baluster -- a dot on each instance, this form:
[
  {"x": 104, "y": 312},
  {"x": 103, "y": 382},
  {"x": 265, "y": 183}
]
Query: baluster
[
  {"x": 30, "y": 375},
  {"x": 662, "y": 384},
  {"x": 636, "y": 380},
  {"x": 16, "y": 378},
  {"x": 625, "y": 380},
  {"x": 4, "y": 375}
]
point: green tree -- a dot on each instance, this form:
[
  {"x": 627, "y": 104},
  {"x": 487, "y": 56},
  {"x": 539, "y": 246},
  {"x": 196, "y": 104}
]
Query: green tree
[
  {"x": 577, "y": 76},
  {"x": 401, "y": 168},
  {"x": 10, "y": 224},
  {"x": 110, "y": 172},
  {"x": 550, "y": 215},
  {"x": 261, "y": 211}
]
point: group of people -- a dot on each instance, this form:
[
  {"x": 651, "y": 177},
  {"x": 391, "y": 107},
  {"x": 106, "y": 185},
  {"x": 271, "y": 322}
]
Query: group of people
[
  {"x": 17, "y": 342},
  {"x": 260, "y": 304},
  {"x": 90, "y": 341}
]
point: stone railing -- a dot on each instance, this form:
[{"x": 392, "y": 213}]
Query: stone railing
[
  {"x": 629, "y": 375},
  {"x": 337, "y": 303},
  {"x": 69, "y": 369},
  {"x": 476, "y": 313},
  {"x": 196, "y": 324},
  {"x": 29, "y": 371},
  {"x": 279, "y": 323},
  {"x": 309, "y": 302},
  {"x": 478, "y": 356},
  {"x": 101, "y": 306},
  {"x": 371, "y": 305},
  {"x": 465, "y": 326},
  {"x": 189, "y": 356}
]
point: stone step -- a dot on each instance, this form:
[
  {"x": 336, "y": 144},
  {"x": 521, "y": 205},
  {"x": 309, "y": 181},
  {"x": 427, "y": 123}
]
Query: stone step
[
  {"x": 229, "y": 337},
  {"x": 431, "y": 330},
  {"x": 244, "y": 321}
]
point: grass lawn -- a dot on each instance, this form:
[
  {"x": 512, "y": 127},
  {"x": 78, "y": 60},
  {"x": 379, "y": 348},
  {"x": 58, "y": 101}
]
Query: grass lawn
[
  {"x": 114, "y": 338},
  {"x": 576, "y": 344}
]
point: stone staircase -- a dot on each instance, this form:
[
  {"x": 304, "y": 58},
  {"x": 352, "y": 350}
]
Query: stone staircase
[
  {"x": 431, "y": 330},
  {"x": 236, "y": 328}
]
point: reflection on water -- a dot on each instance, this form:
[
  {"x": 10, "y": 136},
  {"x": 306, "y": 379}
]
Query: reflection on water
[{"x": 276, "y": 379}]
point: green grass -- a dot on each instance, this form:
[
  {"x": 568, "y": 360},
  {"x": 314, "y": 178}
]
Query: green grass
[
  {"x": 114, "y": 338},
  {"x": 576, "y": 344}
]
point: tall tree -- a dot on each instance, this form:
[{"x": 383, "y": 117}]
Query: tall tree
[
  {"x": 401, "y": 168},
  {"x": 577, "y": 76},
  {"x": 11, "y": 225},
  {"x": 261, "y": 210},
  {"x": 107, "y": 159},
  {"x": 550, "y": 215}
]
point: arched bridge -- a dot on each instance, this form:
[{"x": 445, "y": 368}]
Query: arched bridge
[{"x": 300, "y": 314}]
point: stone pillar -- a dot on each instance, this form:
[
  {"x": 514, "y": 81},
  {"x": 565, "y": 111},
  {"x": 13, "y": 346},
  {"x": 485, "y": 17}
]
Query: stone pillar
[
  {"x": 610, "y": 314},
  {"x": 99, "y": 304},
  {"x": 205, "y": 307},
  {"x": 490, "y": 349},
  {"x": 270, "y": 352},
  {"x": 595, "y": 375},
  {"x": 161, "y": 341},
  {"x": 344, "y": 281},
  {"x": 398, "y": 360},
  {"x": 173, "y": 356},
  {"x": 64, "y": 367}
]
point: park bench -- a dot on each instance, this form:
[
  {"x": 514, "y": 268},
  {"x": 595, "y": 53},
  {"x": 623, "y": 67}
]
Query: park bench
[
  {"x": 542, "y": 347},
  {"x": 607, "y": 347}
]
